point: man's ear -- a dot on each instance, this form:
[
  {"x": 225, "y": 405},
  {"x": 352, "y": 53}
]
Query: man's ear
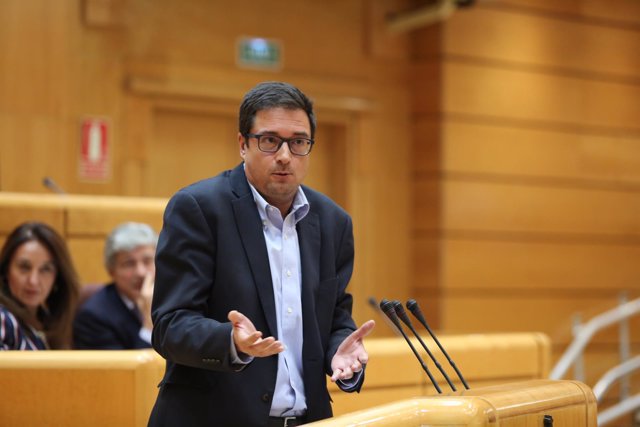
[{"x": 242, "y": 144}]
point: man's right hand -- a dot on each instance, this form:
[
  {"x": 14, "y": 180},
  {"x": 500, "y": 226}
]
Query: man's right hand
[{"x": 248, "y": 340}]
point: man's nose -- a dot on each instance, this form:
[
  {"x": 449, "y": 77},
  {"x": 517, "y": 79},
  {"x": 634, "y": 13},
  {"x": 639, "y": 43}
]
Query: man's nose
[
  {"x": 284, "y": 153},
  {"x": 141, "y": 269}
]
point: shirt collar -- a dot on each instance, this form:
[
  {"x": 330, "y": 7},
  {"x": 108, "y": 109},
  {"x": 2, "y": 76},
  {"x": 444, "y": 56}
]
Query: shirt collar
[
  {"x": 300, "y": 207},
  {"x": 130, "y": 304}
]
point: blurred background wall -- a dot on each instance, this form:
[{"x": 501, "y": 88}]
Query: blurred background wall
[{"x": 490, "y": 159}]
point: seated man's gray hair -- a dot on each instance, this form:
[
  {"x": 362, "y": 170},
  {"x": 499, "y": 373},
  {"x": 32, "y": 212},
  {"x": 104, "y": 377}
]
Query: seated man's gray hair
[{"x": 127, "y": 237}]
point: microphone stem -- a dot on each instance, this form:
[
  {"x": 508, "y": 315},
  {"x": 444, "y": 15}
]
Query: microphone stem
[
  {"x": 424, "y": 367},
  {"x": 444, "y": 352},
  {"x": 444, "y": 374}
]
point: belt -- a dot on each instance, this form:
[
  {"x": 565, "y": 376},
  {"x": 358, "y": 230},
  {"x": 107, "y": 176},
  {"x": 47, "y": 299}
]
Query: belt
[{"x": 285, "y": 421}]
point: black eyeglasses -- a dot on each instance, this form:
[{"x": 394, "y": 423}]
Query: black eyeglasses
[{"x": 272, "y": 143}]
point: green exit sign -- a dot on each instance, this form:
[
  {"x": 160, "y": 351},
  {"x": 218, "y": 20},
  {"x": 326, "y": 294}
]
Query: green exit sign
[{"x": 254, "y": 52}]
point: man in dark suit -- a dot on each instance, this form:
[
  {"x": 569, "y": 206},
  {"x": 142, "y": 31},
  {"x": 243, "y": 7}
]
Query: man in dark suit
[
  {"x": 250, "y": 307},
  {"x": 118, "y": 315}
]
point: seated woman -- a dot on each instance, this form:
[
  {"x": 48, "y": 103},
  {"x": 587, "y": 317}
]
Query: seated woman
[{"x": 38, "y": 290}]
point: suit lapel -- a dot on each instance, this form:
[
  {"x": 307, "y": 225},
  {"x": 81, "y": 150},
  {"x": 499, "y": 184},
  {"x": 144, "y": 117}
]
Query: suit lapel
[
  {"x": 250, "y": 229},
  {"x": 309, "y": 240}
]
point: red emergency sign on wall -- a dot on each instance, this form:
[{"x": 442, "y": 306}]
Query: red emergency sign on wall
[{"x": 95, "y": 162}]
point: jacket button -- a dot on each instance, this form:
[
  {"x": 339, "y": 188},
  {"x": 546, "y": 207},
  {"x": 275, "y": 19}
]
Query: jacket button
[{"x": 265, "y": 397}]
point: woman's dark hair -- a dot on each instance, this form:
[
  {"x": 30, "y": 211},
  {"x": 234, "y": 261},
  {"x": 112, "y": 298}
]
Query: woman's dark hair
[
  {"x": 268, "y": 95},
  {"x": 57, "y": 315}
]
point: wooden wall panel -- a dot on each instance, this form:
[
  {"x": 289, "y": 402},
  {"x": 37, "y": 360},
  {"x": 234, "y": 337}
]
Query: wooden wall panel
[
  {"x": 612, "y": 12},
  {"x": 467, "y": 312},
  {"x": 521, "y": 266},
  {"x": 516, "y": 266},
  {"x": 88, "y": 257},
  {"x": 542, "y": 42},
  {"x": 102, "y": 217},
  {"x": 32, "y": 55},
  {"x": 30, "y": 152},
  {"x": 494, "y": 208},
  {"x": 206, "y": 32},
  {"x": 16, "y": 208},
  {"x": 328, "y": 165},
  {"x": 533, "y": 155},
  {"x": 208, "y": 145},
  {"x": 533, "y": 107},
  {"x": 545, "y": 99}
]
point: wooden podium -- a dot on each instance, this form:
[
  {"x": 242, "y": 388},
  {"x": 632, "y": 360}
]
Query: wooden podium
[{"x": 524, "y": 404}]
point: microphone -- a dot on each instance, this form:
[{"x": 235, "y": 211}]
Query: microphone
[
  {"x": 387, "y": 307},
  {"x": 407, "y": 321},
  {"x": 51, "y": 185},
  {"x": 374, "y": 305},
  {"x": 412, "y": 305}
]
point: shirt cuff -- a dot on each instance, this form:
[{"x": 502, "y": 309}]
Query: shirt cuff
[
  {"x": 145, "y": 335},
  {"x": 351, "y": 383},
  {"x": 238, "y": 359}
]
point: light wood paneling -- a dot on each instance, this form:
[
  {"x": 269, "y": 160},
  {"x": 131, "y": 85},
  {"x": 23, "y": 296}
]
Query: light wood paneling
[
  {"x": 17, "y": 208},
  {"x": 88, "y": 258},
  {"x": 79, "y": 387},
  {"x": 533, "y": 155},
  {"x": 32, "y": 55},
  {"x": 29, "y": 152},
  {"x": 519, "y": 404},
  {"x": 207, "y": 145},
  {"x": 490, "y": 207},
  {"x": 465, "y": 312},
  {"x": 514, "y": 39},
  {"x": 532, "y": 97},
  {"x": 611, "y": 13},
  {"x": 91, "y": 216},
  {"x": 206, "y": 33},
  {"x": 541, "y": 267}
]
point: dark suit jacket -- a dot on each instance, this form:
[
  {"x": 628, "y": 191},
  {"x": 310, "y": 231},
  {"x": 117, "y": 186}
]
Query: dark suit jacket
[
  {"x": 105, "y": 322},
  {"x": 212, "y": 258}
]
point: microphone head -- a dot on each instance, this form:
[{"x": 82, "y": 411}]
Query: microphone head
[
  {"x": 399, "y": 309},
  {"x": 413, "y": 307},
  {"x": 387, "y": 307}
]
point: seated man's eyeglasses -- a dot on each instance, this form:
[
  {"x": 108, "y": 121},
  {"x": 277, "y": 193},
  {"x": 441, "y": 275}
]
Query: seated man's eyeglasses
[{"x": 272, "y": 143}]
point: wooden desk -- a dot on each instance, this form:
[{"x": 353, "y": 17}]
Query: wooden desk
[
  {"x": 524, "y": 404},
  {"x": 78, "y": 388}
]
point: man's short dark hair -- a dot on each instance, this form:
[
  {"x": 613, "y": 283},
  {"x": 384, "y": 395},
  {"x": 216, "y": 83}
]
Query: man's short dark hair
[{"x": 268, "y": 95}]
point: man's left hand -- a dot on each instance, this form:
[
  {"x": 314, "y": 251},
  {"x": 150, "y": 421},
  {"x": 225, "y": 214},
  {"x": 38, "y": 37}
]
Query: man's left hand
[{"x": 351, "y": 355}]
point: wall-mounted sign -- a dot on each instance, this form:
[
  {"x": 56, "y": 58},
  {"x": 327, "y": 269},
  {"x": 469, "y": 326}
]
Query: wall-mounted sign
[
  {"x": 94, "y": 161},
  {"x": 259, "y": 53}
]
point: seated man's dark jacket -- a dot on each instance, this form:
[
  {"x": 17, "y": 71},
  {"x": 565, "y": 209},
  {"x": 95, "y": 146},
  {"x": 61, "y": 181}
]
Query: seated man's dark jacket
[{"x": 105, "y": 322}]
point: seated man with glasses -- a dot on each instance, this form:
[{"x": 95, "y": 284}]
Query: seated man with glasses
[{"x": 250, "y": 308}]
